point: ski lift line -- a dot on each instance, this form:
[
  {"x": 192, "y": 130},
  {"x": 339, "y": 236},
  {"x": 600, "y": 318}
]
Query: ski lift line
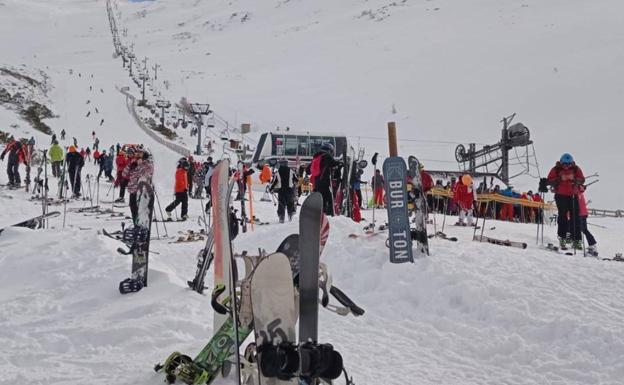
[{"x": 415, "y": 140}]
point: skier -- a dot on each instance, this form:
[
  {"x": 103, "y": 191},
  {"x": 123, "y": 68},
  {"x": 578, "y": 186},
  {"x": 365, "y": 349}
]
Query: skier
[
  {"x": 190, "y": 174},
  {"x": 284, "y": 182},
  {"x": 321, "y": 171},
  {"x": 75, "y": 162},
  {"x": 96, "y": 156},
  {"x": 96, "y": 143},
  {"x": 56, "y": 159},
  {"x": 241, "y": 175},
  {"x": 565, "y": 178},
  {"x": 121, "y": 162},
  {"x": 63, "y": 134},
  {"x": 140, "y": 167},
  {"x": 207, "y": 170},
  {"x": 377, "y": 182},
  {"x": 16, "y": 155},
  {"x": 181, "y": 190},
  {"x": 592, "y": 248},
  {"x": 356, "y": 185},
  {"x": 88, "y": 154},
  {"x": 464, "y": 197},
  {"x": 53, "y": 139}
]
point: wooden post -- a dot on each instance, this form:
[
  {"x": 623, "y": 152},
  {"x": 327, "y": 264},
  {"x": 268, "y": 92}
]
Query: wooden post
[{"x": 392, "y": 139}]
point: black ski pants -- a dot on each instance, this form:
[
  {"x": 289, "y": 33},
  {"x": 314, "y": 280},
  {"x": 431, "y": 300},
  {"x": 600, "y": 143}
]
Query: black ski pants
[
  {"x": 590, "y": 238},
  {"x": 74, "y": 180},
  {"x": 180, "y": 197},
  {"x": 13, "y": 173},
  {"x": 56, "y": 169},
  {"x": 134, "y": 207},
  {"x": 285, "y": 201},
  {"x": 328, "y": 200},
  {"x": 122, "y": 187},
  {"x": 568, "y": 219}
]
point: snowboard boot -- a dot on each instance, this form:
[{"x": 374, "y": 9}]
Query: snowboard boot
[
  {"x": 119, "y": 200},
  {"x": 592, "y": 250}
]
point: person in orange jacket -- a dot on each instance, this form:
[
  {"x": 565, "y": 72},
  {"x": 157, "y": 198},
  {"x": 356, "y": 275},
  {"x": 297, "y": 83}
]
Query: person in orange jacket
[
  {"x": 121, "y": 161},
  {"x": 266, "y": 175},
  {"x": 464, "y": 198},
  {"x": 180, "y": 189}
]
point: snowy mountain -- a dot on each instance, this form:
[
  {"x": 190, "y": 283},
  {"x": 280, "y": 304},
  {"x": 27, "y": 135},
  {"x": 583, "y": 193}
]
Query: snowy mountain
[{"x": 471, "y": 313}]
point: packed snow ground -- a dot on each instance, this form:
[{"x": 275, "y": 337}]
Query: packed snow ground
[{"x": 469, "y": 314}]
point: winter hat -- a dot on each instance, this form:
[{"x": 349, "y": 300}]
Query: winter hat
[
  {"x": 328, "y": 147},
  {"x": 566, "y": 159},
  {"x": 72, "y": 149}
]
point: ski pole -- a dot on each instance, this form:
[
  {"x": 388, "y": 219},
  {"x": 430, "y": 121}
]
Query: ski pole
[
  {"x": 444, "y": 213},
  {"x": 161, "y": 213}
]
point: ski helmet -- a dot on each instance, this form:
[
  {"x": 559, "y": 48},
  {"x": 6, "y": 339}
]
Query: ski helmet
[
  {"x": 183, "y": 163},
  {"x": 327, "y": 147},
  {"x": 566, "y": 159}
]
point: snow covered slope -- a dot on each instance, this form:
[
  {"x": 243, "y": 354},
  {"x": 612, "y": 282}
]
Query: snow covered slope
[{"x": 469, "y": 314}]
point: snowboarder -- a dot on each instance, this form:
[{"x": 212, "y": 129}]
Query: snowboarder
[
  {"x": 464, "y": 197},
  {"x": 321, "y": 171},
  {"x": 377, "y": 182},
  {"x": 16, "y": 152},
  {"x": 181, "y": 190},
  {"x": 56, "y": 159},
  {"x": 284, "y": 182},
  {"x": 565, "y": 178},
  {"x": 121, "y": 162},
  {"x": 140, "y": 167},
  {"x": 75, "y": 162}
]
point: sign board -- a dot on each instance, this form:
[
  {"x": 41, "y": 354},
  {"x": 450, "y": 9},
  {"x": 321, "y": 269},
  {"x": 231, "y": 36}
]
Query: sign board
[{"x": 245, "y": 128}]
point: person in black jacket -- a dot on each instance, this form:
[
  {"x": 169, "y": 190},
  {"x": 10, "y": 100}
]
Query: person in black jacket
[
  {"x": 75, "y": 162},
  {"x": 284, "y": 182},
  {"x": 321, "y": 170}
]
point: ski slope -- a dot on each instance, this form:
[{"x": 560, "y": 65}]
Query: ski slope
[{"x": 469, "y": 314}]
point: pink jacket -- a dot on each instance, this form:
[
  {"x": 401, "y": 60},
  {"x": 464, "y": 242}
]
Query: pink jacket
[{"x": 583, "y": 212}]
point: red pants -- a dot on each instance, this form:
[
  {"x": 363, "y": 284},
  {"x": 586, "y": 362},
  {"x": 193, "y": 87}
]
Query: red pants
[
  {"x": 379, "y": 193},
  {"x": 507, "y": 212}
]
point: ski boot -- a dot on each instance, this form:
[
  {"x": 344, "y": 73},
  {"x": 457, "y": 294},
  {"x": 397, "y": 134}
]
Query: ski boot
[
  {"x": 281, "y": 219},
  {"x": 592, "y": 250},
  {"x": 168, "y": 219},
  {"x": 184, "y": 217},
  {"x": 119, "y": 200},
  {"x": 563, "y": 244},
  {"x": 577, "y": 244}
]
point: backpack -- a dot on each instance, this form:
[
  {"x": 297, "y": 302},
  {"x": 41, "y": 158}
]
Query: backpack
[{"x": 315, "y": 169}]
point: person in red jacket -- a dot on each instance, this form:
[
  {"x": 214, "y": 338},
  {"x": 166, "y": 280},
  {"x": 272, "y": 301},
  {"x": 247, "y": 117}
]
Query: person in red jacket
[
  {"x": 17, "y": 155},
  {"x": 463, "y": 196},
  {"x": 181, "y": 190},
  {"x": 121, "y": 161},
  {"x": 565, "y": 178}
]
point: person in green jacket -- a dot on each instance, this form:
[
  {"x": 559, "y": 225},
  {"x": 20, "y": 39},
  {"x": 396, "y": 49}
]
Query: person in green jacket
[{"x": 56, "y": 158}]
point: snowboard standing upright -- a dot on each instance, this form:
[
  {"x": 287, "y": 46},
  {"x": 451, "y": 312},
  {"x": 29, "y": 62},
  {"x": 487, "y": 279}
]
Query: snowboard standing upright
[
  {"x": 400, "y": 241},
  {"x": 419, "y": 201},
  {"x": 220, "y": 192},
  {"x": 309, "y": 251},
  {"x": 274, "y": 314},
  {"x": 139, "y": 236}
]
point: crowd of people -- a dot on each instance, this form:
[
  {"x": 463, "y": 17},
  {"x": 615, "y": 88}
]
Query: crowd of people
[{"x": 323, "y": 174}]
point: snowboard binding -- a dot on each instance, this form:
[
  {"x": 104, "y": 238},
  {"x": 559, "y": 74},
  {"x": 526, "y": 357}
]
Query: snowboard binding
[
  {"x": 308, "y": 361},
  {"x": 130, "y": 285}
]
